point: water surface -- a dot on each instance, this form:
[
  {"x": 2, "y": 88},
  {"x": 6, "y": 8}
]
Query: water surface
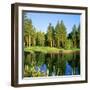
[{"x": 51, "y": 64}]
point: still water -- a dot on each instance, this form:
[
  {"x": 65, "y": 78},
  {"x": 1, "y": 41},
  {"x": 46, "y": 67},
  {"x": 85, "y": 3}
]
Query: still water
[{"x": 51, "y": 64}]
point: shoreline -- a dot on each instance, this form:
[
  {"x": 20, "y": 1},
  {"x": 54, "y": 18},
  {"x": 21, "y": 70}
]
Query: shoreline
[{"x": 49, "y": 50}]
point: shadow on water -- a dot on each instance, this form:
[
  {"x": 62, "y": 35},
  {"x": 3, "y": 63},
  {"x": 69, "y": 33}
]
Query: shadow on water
[{"x": 51, "y": 64}]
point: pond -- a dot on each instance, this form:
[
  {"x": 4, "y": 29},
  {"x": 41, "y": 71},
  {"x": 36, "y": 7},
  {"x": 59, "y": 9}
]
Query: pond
[{"x": 39, "y": 64}]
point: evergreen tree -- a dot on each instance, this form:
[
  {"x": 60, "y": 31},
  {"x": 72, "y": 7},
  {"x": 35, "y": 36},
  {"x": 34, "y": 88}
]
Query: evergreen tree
[
  {"x": 57, "y": 35},
  {"x": 27, "y": 31},
  {"x": 54, "y": 37},
  {"x": 33, "y": 37},
  {"x": 40, "y": 40},
  {"x": 50, "y": 35},
  {"x": 73, "y": 34},
  {"x": 78, "y": 37},
  {"x": 61, "y": 34}
]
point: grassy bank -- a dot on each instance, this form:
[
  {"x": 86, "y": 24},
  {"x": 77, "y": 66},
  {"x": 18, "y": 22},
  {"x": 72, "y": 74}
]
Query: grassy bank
[{"x": 48, "y": 49}]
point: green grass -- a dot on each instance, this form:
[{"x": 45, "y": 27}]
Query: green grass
[
  {"x": 33, "y": 49},
  {"x": 42, "y": 49},
  {"x": 75, "y": 49}
]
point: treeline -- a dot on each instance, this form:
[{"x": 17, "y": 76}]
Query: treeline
[{"x": 54, "y": 37}]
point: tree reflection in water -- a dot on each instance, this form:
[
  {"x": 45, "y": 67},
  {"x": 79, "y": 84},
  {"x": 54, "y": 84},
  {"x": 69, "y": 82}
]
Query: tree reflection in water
[{"x": 51, "y": 64}]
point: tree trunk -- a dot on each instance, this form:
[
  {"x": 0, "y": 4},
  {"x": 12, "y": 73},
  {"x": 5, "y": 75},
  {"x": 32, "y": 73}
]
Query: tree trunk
[
  {"x": 29, "y": 41},
  {"x": 58, "y": 43},
  {"x": 51, "y": 43},
  {"x": 26, "y": 41}
]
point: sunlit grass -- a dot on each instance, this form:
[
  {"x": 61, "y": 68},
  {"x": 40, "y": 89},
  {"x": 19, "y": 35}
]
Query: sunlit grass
[
  {"x": 42, "y": 49},
  {"x": 33, "y": 49}
]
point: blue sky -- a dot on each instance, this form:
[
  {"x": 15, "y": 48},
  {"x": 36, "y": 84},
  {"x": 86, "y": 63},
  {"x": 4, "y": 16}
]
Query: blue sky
[{"x": 42, "y": 20}]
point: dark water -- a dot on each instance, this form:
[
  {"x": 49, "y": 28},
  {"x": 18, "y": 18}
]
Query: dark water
[{"x": 52, "y": 64}]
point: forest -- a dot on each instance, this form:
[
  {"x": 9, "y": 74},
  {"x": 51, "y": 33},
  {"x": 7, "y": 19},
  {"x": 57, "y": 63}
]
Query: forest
[{"x": 54, "y": 37}]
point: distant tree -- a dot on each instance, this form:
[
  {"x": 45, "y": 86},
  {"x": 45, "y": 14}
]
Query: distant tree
[
  {"x": 54, "y": 37},
  {"x": 27, "y": 31},
  {"x": 78, "y": 36},
  {"x": 73, "y": 34},
  {"x": 33, "y": 37},
  {"x": 68, "y": 44},
  {"x": 40, "y": 39},
  {"x": 57, "y": 35},
  {"x": 50, "y": 35},
  {"x": 61, "y": 34}
]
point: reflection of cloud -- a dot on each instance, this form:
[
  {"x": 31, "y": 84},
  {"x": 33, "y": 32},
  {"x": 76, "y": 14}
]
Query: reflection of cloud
[
  {"x": 43, "y": 68},
  {"x": 68, "y": 70}
]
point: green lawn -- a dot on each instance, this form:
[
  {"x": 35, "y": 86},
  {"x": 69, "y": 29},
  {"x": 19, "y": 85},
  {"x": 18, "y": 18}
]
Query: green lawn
[{"x": 47, "y": 49}]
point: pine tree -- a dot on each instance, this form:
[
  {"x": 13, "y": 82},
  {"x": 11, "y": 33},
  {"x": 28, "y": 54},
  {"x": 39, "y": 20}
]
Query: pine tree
[
  {"x": 50, "y": 35},
  {"x": 61, "y": 34},
  {"x": 78, "y": 37},
  {"x": 74, "y": 30},
  {"x": 40, "y": 40},
  {"x": 57, "y": 34},
  {"x": 27, "y": 31}
]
